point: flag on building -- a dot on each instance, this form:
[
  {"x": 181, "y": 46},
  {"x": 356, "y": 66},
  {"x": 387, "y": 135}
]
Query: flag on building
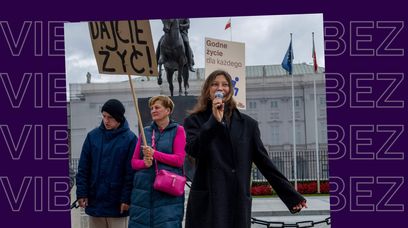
[
  {"x": 288, "y": 59},
  {"x": 228, "y": 25},
  {"x": 315, "y": 66}
]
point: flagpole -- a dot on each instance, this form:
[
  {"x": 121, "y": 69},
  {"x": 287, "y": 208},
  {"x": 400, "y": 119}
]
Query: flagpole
[
  {"x": 317, "y": 138},
  {"x": 231, "y": 29},
  {"x": 293, "y": 120},
  {"x": 315, "y": 116}
]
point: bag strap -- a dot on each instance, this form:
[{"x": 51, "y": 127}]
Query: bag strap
[
  {"x": 154, "y": 148},
  {"x": 155, "y": 160}
]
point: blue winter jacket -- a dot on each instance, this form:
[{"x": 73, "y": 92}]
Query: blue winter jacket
[
  {"x": 150, "y": 208},
  {"x": 104, "y": 171}
]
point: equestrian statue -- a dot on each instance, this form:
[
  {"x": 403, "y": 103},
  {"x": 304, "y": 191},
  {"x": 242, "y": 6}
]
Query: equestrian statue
[{"x": 174, "y": 52}]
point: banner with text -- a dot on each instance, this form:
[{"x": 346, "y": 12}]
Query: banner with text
[
  {"x": 123, "y": 47},
  {"x": 228, "y": 56}
]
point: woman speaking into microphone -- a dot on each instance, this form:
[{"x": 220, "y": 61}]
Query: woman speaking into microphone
[{"x": 225, "y": 143}]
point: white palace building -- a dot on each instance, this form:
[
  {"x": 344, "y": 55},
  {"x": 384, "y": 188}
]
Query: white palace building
[{"x": 269, "y": 101}]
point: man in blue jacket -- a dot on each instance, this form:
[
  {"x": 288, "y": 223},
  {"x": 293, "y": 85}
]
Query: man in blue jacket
[{"x": 104, "y": 179}]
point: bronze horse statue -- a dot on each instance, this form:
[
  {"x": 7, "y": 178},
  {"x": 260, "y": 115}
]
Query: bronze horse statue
[{"x": 171, "y": 54}]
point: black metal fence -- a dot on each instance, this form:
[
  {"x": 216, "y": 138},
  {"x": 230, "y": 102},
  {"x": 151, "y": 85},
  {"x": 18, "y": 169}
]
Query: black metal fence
[{"x": 306, "y": 165}]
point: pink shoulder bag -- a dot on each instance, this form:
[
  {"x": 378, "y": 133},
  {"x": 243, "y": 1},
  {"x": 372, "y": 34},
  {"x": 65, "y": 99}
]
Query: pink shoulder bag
[{"x": 166, "y": 181}]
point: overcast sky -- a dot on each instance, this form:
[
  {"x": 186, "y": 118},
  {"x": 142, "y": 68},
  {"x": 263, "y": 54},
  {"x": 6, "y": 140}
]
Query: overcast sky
[{"x": 266, "y": 40}]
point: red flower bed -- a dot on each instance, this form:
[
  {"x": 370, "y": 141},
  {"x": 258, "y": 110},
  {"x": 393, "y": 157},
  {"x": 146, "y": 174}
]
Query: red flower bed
[
  {"x": 261, "y": 190},
  {"x": 324, "y": 187},
  {"x": 310, "y": 187},
  {"x": 307, "y": 187}
]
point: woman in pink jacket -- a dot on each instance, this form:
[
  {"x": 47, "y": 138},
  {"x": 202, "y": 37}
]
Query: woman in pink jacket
[{"x": 166, "y": 140}]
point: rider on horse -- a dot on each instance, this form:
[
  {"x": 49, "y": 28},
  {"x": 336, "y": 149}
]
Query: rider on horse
[
  {"x": 184, "y": 24},
  {"x": 171, "y": 53}
]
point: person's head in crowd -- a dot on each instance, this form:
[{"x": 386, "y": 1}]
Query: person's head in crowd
[
  {"x": 113, "y": 114},
  {"x": 218, "y": 80},
  {"x": 161, "y": 107}
]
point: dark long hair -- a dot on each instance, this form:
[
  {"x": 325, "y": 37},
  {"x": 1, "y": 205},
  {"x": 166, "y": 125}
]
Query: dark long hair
[{"x": 204, "y": 98}]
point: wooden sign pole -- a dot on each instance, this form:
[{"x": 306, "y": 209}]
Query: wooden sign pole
[{"x": 139, "y": 119}]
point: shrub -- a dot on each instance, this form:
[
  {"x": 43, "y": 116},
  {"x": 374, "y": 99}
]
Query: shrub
[
  {"x": 307, "y": 187},
  {"x": 310, "y": 187},
  {"x": 324, "y": 187},
  {"x": 261, "y": 190}
]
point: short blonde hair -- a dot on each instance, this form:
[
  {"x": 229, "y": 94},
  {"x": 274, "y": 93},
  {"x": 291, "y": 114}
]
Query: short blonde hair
[{"x": 165, "y": 101}]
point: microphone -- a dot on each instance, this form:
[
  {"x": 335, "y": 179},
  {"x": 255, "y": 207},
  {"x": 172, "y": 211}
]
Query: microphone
[{"x": 219, "y": 94}]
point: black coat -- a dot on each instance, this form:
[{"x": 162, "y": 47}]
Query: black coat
[{"x": 220, "y": 195}]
